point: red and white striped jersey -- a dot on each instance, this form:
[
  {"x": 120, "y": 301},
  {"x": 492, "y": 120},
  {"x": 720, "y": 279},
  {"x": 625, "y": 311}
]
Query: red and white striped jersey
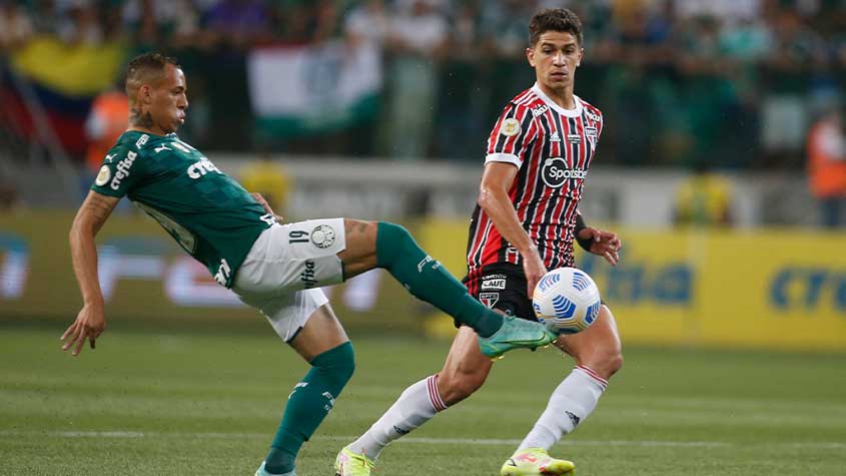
[{"x": 552, "y": 147}]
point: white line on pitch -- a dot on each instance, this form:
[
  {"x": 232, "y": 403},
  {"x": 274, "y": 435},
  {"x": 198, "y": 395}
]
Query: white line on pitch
[{"x": 421, "y": 440}]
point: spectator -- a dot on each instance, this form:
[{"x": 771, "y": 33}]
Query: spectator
[
  {"x": 368, "y": 23},
  {"x": 107, "y": 120},
  {"x": 704, "y": 199},
  {"x": 15, "y": 26},
  {"x": 270, "y": 179},
  {"x": 827, "y": 167},
  {"x": 9, "y": 199},
  {"x": 418, "y": 31}
]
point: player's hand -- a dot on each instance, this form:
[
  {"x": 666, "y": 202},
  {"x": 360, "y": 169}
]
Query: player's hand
[
  {"x": 89, "y": 324},
  {"x": 534, "y": 270},
  {"x": 266, "y": 206},
  {"x": 604, "y": 243}
]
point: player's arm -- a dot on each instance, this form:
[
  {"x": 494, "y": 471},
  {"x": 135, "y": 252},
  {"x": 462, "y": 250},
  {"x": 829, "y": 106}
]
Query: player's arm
[
  {"x": 599, "y": 242},
  {"x": 494, "y": 200},
  {"x": 91, "y": 320},
  {"x": 261, "y": 200}
]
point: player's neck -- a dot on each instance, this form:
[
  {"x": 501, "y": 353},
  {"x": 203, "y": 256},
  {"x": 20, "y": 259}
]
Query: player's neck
[
  {"x": 141, "y": 121},
  {"x": 563, "y": 97},
  {"x": 146, "y": 130}
]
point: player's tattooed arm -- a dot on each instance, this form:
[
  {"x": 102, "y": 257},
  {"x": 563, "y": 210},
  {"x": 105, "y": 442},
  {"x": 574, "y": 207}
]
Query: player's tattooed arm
[
  {"x": 90, "y": 322},
  {"x": 139, "y": 119}
]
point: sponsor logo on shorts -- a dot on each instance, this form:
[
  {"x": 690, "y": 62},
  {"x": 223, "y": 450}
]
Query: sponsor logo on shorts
[
  {"x": 555, "y": 172},
  {"x": 104, "y": 176},
  {"x": 494, "y": 282},
  {"x": 308, "y": 277},
  {"x": 489, "y": 299},
  {"x": 323, "y": 236},
  {"x": 510, "y": 127}
]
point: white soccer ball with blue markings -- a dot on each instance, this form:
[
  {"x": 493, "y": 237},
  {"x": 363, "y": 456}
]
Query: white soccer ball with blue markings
[{"x": 566, "y": 300}]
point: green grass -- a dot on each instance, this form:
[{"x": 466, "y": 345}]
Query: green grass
[{"x": 147, "y": 403}]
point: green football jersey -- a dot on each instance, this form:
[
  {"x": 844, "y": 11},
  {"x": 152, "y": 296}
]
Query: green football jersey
[{"x": 208, "y": 213}]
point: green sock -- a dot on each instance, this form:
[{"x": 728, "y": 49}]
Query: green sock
[
  {"x": 308, "y": 405},
  {"x": 425, "y": 278}
]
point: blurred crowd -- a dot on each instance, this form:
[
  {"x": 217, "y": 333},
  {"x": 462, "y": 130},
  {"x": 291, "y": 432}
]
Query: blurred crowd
[{"x": 737, "y": 83}]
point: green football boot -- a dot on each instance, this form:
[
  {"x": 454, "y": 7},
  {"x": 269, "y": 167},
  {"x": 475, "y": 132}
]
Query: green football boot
[{"x": 516, "y": 333}]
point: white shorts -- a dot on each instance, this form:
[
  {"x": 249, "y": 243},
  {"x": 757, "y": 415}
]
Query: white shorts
[{"x": 285, "y": 268}]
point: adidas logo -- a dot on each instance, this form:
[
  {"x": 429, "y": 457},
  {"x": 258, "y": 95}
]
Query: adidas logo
[
  {"x": 555, "y": 137},
  {"x": 573, "y": 418}
]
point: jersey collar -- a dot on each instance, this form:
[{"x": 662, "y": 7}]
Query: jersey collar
[{"x": 576, "y": 112}]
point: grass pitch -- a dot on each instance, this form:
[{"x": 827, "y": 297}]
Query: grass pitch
[{"x": 148, "y": 403}]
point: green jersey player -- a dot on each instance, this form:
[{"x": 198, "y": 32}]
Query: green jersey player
[{"x": 276, "y": 268}]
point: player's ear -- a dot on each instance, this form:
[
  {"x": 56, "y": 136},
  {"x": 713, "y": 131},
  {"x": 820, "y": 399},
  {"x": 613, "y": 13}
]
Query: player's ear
[
  {"x": 145, "y": 94},
  {"x": 530, "y": 55},
  {"x": 581, "y": 55}
]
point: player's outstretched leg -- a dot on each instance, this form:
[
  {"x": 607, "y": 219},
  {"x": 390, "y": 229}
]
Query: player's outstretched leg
[{"x": 425, "y": 278}]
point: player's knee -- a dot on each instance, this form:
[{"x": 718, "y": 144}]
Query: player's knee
[
  {"x": 456, "y": 386},
  {"x": 391, "y": 241},
  {"x": 337, "y": 363},
  {"x": 614, "y": 361}
]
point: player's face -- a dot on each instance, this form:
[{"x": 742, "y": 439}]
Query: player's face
[
  {"x": 555, "y": 58},
  {"x": 168, "y": 101}
]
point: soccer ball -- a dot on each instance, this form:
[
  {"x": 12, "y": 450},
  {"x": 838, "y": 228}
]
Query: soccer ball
[{"x": 566, "y": 300}]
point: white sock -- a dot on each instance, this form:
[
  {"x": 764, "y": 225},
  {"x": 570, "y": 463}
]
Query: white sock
[
  {"x": 417, "y": 405},
  {"x": 571, "y": 402}
]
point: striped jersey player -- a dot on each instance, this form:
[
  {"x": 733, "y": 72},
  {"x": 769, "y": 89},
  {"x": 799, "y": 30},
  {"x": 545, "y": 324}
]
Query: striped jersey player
[
  {"x": 553, "y": 148},
  {"x": 536, "y": 163}
]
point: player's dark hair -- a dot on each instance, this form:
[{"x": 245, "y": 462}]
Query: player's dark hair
[
  {"x": 146, "y": 66},
  {"x": 554, "y": 19}
]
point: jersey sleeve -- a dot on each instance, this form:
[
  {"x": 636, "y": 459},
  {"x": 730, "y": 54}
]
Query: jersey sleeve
[
  {"x": 513, "y": 132},
  {"x": 120, "y": 172}
]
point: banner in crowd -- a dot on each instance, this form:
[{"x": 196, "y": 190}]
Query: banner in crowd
[
  {"x": 314, "y": 89},
  {"x": 63, "y": 79}
]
